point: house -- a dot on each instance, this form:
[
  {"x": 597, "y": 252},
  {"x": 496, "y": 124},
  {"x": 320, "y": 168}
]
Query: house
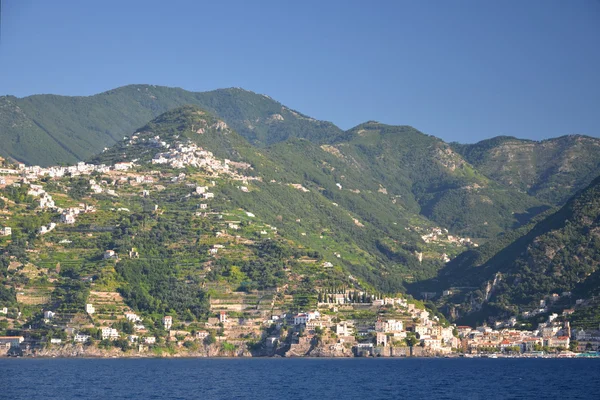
[
  {"x": 391, "y": 325},
  {"x": 364, "y": 348},
  {"x": 133, "y": 338},
  {"x": 55, "y": 341},
  {"x": 110, "y": 254},
  {"x": 80, "y": 338},
  {"x": 421, "y": 330},
  {"x": 6, "y": 231},
  {"x": 123, "y": 166},
  {"x": 48, "y": 315},
  {"x": 201, "y": 335},
  {"x": 89, "y": 308},
  {"x": 150, "y": 340},
  {"x": 222, "y": 316},
  {"x": 339, "y": 298},
  {"x": 560, "y": 341},
  {"x": 300, "y": 319},
  {"x": 531, "y": 343},
  {"x": 167, "y": 322},
  {"x": 381, "y": 339},
  {"x": 11, "y": 341},
  {"x": 110, "y": 333},
  {"x": 312, "y": 325},
  {"x": 432, "y": 343},
  {"x": 343, "y": 329},
  {"x": 67, "y": 218},
  {"x": 4, "y": 310},
  {"x": 45, "y": 229},
  {"x": 133, "y": 317}
]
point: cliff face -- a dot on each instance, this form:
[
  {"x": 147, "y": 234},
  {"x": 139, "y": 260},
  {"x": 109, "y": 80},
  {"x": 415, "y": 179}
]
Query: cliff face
[
  {"x": 311, "y": 348},
  {"x": 79, "y": 350}
]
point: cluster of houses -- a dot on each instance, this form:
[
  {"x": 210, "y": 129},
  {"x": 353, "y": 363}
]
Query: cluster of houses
[
  {"x": 181, "y": 155},
  {"x": 551, "y": 334},
  {"x": 438, "y": 235},
  {"x": 400, "y": 324}
]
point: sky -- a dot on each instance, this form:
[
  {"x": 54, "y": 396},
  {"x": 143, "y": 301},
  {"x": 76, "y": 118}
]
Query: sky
[{"x": 460, "y": 70}]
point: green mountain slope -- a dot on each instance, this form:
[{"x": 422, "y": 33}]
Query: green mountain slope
[
  {"x": 293, "y": 185},
  {"x": 477, "y": 190},
  {"x": 551, "y": 170},
  {"x": 557, "y": 254},
  {"x": 434, "y": 180},
  {"x": 49, "y": 129}
]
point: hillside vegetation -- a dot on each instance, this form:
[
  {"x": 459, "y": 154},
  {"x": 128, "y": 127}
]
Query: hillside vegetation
[{"x": 557, "y": 254}]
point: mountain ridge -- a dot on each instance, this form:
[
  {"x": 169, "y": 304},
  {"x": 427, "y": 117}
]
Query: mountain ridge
[{"x": 555, "y": 254}]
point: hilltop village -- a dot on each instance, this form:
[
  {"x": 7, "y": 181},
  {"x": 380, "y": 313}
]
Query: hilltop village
[{"x": 72, "y": 235}]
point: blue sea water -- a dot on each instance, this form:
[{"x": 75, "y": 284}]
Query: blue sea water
[{"x": 299, "y": 379}]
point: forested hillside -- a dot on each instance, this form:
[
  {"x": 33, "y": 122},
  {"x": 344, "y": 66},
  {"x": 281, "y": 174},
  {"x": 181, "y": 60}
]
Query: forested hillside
[
  {"x": 558, "y": 254},
  {"x": 50, "y": 129}
]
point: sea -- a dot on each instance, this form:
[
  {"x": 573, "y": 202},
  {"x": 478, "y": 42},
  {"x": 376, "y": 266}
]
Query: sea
[{"x": 299, "y": 378}]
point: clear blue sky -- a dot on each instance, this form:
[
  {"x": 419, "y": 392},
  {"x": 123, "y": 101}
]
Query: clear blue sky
[{"x": 459, "y": 70}]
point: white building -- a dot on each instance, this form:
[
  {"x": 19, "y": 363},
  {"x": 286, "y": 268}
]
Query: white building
[
  {"x": 123, "y": 166},
  {"x": 108, "y": 254},
  {"x": 67, "y": 218},
  {"x": 391, "y": 325},
  {"x": 80, "y": 338},
  {"x": 300, "y": 319},
  {"x": 133, "y": 317},
  {"x": 222, "y": 316},
  {"x": 150, "y": 340},
  {"x": 89, "y": 308},
  {"x": 110, "y": 333}
]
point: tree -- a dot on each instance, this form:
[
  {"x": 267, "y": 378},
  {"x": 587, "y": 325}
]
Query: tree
[
  {"x": 411, "y": 339},
  {"x": 573, "y": 345}
]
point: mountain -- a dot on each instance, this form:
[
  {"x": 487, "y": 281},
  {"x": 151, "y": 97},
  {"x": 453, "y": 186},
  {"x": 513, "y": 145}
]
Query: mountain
[
  {"x": 312, "y": 196},
  {"x": 477, "y": 190},
  {"x": 558, "y": 254},
  {"x": 434, "y": 180},
  {"x": 551, "y": 170},
  {"x": 185, "y": 218},
  {"x": 50, "y": 129}
]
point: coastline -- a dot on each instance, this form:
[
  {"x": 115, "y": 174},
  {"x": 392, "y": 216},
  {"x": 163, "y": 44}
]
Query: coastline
[{"x": 213, "y": 352}]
